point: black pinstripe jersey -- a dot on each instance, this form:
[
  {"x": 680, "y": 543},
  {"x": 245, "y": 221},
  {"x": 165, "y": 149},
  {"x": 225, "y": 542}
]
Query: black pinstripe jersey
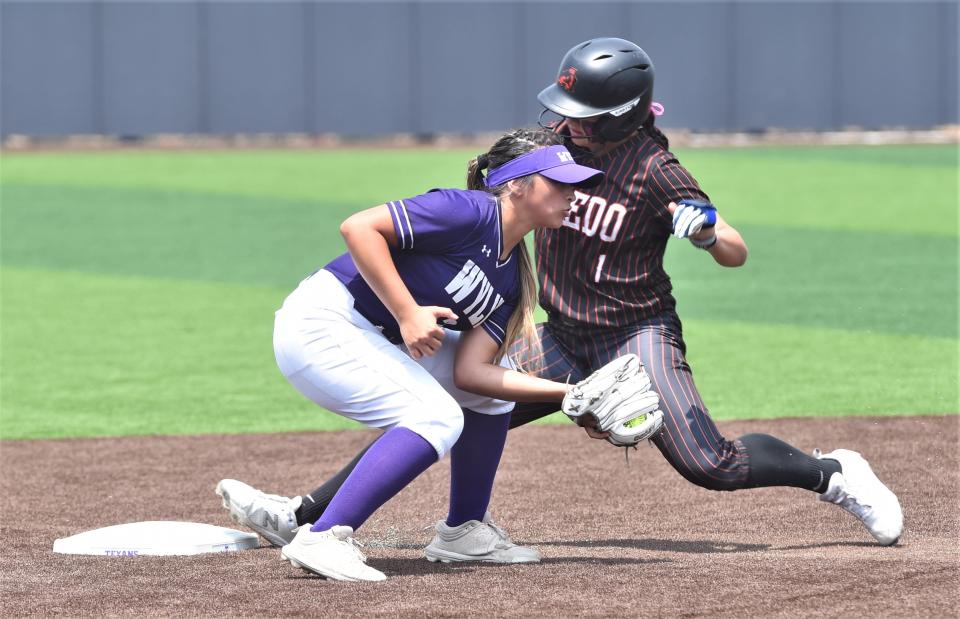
[{"x": 604, "y": 266}]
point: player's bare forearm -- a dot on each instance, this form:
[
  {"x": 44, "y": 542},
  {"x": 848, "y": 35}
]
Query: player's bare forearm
[
  {"x": 369, "y": 235},
  {"x": 474, "y": 370},
  {"x": 498, "y": 382},
  {"x": 730, "y": 250}
]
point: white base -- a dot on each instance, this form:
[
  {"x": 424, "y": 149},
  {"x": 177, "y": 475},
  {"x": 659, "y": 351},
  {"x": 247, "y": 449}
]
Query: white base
[{"x": 156, "y": 538}]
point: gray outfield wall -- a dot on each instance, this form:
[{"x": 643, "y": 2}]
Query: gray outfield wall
[{"x": 367, "y": 68}]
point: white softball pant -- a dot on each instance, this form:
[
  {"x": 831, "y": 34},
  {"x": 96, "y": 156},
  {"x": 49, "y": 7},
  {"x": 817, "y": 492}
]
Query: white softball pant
[{"x": 341, "y": 361}]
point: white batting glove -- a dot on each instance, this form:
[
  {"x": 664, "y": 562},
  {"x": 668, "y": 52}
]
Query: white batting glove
[{"x": 692, "y": 216}]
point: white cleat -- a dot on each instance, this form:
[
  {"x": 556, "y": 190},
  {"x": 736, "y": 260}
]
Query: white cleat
[
  {"x": 476, "y": 540},
  {"x": 271, "y": 516},
  {"x": 332, "y": 554},
  {"x": 858, "y": 490}
]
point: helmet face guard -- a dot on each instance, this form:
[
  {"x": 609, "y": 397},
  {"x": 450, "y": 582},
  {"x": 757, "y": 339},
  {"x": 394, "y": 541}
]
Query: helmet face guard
[
  {"x": 606, "y": 127},
  {"x": 608, "y": 79},
  {"x": 610, "y": 128}
]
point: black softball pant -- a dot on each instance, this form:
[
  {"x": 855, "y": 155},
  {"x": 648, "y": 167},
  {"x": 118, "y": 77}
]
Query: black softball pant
[{"x": 690, "y": 441}]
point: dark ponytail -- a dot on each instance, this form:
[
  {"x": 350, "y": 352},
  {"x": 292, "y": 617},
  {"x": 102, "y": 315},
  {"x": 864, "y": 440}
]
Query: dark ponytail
[
  {"x": 475, "y": 172},
  {"x": 655, "y": 134}
]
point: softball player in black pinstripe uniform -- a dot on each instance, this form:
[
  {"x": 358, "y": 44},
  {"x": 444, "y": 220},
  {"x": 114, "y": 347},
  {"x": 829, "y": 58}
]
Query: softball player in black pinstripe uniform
[{"x": 606, "y": 294}]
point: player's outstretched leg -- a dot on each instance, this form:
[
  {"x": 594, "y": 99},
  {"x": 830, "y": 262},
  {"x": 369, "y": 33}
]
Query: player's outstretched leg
[
  {"x": 694, "y": 446},
  {"x": 469, "y": 533}
]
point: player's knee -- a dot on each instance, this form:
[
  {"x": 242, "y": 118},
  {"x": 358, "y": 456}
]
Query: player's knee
[
  {"x": 704, "y": 458},
  {"x": 719, "y": 480},
  {"x": 720, "y": 475},
  {"x": 448, "y": 421},
  {"x": 440, "y": 423}
]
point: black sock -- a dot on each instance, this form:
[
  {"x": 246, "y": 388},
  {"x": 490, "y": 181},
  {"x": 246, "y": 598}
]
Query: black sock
[
  {"x": 315, "y": 503},
  {"x": 775, "y": 463},
  {"x": 525, "y": 412}
]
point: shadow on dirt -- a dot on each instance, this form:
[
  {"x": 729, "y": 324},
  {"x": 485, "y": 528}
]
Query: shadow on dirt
[
  {"x": 660, "y": 545},
  {"x": 834, "y": 545},
  {"x": 603, "y": 561},
  {"x": 403, "y": 568}
]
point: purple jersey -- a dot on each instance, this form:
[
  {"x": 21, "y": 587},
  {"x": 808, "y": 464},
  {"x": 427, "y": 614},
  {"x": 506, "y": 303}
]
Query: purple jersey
[{"x": 450, "y": 241}]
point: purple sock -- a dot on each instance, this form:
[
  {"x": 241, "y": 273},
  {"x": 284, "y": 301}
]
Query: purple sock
[
  {"x": 473, "y": 465},
  {"x": 395, "y": 460}
]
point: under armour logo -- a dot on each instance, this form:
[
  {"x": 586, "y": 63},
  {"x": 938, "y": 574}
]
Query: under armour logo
[{"x": 486, "y": 251}]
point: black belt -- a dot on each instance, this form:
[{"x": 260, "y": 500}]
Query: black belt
[
  {"x": 568, "y": 323},
  {"x": 385, "y": 331},
  {"x": 559, "y": 320}
]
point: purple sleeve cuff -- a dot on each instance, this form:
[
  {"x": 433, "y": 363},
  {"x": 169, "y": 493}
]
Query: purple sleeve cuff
[
  {"x": 401, "y": 223},
  {"x": 495, "y": 331}
]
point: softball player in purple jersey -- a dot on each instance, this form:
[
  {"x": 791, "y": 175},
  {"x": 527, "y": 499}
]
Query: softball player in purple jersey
[
  {"x": 408, "y": 327},
  {"x": 606, "y": 294}
]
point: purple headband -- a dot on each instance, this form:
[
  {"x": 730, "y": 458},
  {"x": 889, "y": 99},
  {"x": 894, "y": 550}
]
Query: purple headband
[{"x": 554, "y": 162}]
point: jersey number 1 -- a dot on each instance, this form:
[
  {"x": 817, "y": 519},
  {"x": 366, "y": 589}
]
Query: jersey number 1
[{"x": 603, "y": 258}]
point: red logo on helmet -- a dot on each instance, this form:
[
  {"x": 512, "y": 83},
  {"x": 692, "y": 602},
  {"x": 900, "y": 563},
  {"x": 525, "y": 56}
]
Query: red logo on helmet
[{"x": 568, "y": 79}]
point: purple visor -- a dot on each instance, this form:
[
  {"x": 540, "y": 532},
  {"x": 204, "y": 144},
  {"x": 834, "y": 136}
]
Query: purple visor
[{"x": 554, "y": 162}]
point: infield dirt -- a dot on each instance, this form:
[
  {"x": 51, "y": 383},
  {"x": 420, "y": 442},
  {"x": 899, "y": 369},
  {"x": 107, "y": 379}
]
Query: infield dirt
[{"x": 616, "y": 539}]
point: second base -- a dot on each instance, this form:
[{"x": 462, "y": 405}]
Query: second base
[{"x": 156, "y": 538}]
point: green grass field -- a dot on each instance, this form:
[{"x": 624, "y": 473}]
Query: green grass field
[{"x": 138, "y": 287}]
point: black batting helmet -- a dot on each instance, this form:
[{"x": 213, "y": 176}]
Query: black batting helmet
[{"x": 606, "y": 77}]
